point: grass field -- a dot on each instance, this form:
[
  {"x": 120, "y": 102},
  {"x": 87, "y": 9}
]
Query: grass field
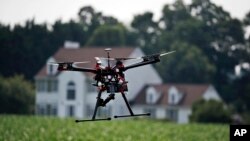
[{"x": 25, "y": 128}]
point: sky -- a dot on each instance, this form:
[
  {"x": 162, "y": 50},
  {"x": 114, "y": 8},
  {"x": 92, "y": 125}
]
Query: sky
[{"x": 18, "y": 11}]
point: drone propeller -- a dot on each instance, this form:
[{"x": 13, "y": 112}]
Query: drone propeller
[
  {"x": 154, "y": 56},
  {"x": 163, "y": 54},
  {"x": 130, "y": 58},
  {"x": 115, "y": 59}
]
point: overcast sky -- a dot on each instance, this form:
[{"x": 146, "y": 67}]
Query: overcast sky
[{"x": 17, "y": 11}]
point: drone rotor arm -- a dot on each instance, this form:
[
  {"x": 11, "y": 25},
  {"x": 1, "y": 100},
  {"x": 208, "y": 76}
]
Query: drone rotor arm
[
  {"x": 143, "y": 63},
  {"x": 149, "y": 59},
  {"x": 71, "y": 66}
]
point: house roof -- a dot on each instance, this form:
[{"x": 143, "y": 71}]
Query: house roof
[
  {"x": 191, "y": 93},
  {"x": 85, "y": 54}
]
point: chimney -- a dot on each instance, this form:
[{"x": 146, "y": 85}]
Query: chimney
[{"x": 71, "y": 45}]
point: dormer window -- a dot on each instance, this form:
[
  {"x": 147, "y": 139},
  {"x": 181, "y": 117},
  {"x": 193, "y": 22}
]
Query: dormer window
[
  {"x": 174, "y": 96},
  {"x": 151, "y": 95},
  {"x": 51, "y": 69},
  {"x": 150, "y": 98}
]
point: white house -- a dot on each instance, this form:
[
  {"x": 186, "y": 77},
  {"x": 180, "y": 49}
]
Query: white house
[
  {"x": 68, "y": 93},
  {"x": 172, "y": 101}
]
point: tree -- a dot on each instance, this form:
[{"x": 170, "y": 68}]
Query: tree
[
  {"x": 71, "y": 30},
  {"x": 26, "y": 45},
  {"x": 210, "y": 112},
  {"x": 187, "y": 65},
  {"x": 146, "y": 30},
  {"x": 16, "y": 96},
  {"x": 91, "y": 20},
  {"x": 108, "y": 35},
  {"x": 173, "y": 14}
]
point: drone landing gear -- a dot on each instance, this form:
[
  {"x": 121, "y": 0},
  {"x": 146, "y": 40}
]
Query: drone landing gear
[
  {"x": 99, "y": 102},
  {"x": 130, "y": 110}
]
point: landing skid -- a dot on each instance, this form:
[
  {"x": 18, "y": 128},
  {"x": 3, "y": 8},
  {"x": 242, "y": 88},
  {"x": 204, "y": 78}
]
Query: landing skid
[
  {"x": 136, "y": 115},
  {"x": 101, "y": 119},
  {"x": 98, "y": 103}
]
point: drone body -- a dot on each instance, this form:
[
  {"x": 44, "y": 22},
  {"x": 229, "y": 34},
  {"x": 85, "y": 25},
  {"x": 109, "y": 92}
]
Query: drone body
[{"x": 110, "y": 78}]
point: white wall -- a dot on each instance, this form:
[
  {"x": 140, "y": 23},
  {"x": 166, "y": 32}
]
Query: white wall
[
  {"x": 211, "y": 93},
  {"x": 183, "y": 115},
  {"x": 79, "y": 79},
  {"x": 161, "y": 113}
]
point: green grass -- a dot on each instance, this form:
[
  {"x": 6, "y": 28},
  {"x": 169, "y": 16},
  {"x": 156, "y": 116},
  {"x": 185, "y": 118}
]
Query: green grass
[{"x": 25, "y": 128}]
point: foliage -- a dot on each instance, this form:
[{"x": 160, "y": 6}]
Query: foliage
[
  {"x": 187, "y": 62},
  {"x": 107, "y": 35},
  {"x": 16, "y": 96},
  {"x": 146, "y": 30},
  {"x": 25, "y": 128},
  {"x": 210, "y": 111}
]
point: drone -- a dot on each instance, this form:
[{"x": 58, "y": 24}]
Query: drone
[{"x": 110, "y": 78}]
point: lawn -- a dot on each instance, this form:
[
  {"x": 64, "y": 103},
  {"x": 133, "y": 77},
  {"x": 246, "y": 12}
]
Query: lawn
[{"x": 31, "y": 128}]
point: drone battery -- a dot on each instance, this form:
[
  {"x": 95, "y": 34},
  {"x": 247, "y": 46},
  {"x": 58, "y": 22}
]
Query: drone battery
[{"x": 116, "y": 88}]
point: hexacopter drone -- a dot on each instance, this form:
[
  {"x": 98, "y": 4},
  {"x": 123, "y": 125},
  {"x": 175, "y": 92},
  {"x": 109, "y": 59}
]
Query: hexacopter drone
[{"x": 110, "y": 78}]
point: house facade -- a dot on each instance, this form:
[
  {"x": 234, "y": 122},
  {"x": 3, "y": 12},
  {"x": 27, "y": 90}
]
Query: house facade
[
  {"x": 172, "y": 101},
  {"x": 70, "y": 94}
]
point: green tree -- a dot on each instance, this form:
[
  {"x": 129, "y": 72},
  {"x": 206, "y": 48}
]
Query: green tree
[
  {"x": 108, "y": 35},
  {"x": 24, "y": 45},
  {"x": 16, "y": 96},
  {"x": 71, "y": 30},
  {"x": 91, "y": 19},
  {"x": 173, "y": 14},
  {"x": 187, "y": 64},
  {"x": 146, "y": 30},
  {"x": 210, "y": 111}
]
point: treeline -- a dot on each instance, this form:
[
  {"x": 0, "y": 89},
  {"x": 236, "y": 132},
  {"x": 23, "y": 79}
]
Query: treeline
[
  {"x": 209, "y": 44},
  {"x": 24, "y": 49}
]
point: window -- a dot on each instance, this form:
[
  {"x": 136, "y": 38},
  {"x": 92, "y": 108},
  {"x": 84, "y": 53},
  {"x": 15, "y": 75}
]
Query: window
[
  {"x": 71, "y": 110},
  {"x": 172, "y": 114},
  {"x": 150, "y": 98},
  {"x": 71, "y": 91},
  {"x": 40, "y": 85},
  {"x": 48, "y": 109},
  {"x": 49, "y": 82},
  {"x": 52, "y": 85},
  {"x": 40, "y": 109},
  {"x": 50, "y": 69},
  {"x": 54, "y": 110},
  {"x": 173, "y": 98}
]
